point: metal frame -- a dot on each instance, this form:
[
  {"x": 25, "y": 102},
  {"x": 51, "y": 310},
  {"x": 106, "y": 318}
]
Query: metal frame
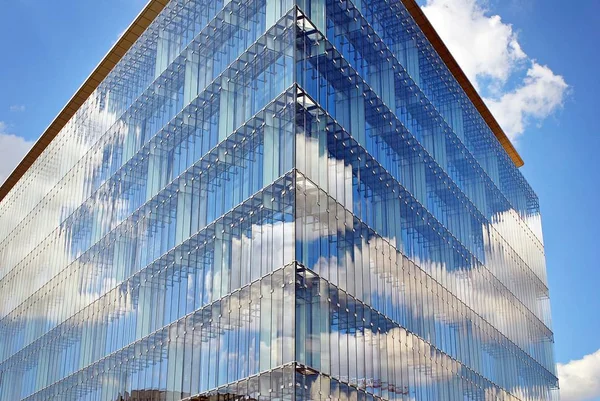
[
  {"x": 151, "y": 11},
  {"x": 441, "y": 49}
]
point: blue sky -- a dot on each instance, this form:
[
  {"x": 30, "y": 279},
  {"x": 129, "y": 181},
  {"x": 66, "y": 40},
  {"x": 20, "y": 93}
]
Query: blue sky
[{"x": 49, "y": 48}]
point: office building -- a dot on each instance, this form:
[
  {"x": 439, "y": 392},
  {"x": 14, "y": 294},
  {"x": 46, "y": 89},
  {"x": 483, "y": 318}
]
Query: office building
[{"x": 274, "y": 200}]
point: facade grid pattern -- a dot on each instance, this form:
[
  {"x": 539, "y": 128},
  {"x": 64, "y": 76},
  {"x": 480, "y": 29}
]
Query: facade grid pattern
[{"x": 275, "y": 200}]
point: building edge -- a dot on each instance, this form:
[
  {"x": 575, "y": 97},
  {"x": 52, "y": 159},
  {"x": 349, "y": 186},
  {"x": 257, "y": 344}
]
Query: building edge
[
  {"x": 149, "y": 14},
  {"x": 439, "y": 46},
  {"x": 115, "y": 54}
]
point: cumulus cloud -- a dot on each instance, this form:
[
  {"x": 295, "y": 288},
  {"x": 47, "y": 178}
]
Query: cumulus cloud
[
  {"x": 12, "y": 150},
  {"x": 488, "y": 50},
  {"x": 541, "y": 93},
  {"x": 580, "y": 379},
  {"x": 484, "y": 46}
]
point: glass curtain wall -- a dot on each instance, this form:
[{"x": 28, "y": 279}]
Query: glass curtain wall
[
  {"x": 167, "y": 272},
  {"x": 421, "y": 273},
  {"x": 275, "y": 200}
]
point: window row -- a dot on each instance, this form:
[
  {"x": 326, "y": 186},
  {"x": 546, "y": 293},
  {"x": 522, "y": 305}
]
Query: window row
[
  {"x": 345, "y": 251},
  {"x": 252, "y": 239},
  {"x": 239, "y": 335},
  {"x": 338, "y": 335},
  {"x": 337, "y": 163}
]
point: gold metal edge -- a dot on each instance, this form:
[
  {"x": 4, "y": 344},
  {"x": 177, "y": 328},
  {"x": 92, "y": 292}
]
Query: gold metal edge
[
  {"x": 430, "y": 33},
  {"x": 145, "y": 18},
  {"x": 115, "y": 54}
]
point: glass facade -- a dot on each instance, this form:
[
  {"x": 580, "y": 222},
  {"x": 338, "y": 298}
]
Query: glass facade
[{"x": 275, "y": 199}]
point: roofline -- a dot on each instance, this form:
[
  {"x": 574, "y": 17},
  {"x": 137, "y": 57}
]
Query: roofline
[
  {"x": 419, "y": 16},
  {"x": 115, "y": 54},
  {"x": 151, "y": 11}
]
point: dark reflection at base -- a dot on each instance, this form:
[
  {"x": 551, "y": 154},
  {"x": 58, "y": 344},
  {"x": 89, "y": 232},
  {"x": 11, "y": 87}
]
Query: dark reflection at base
[
  {"x": 277, "y": 383},
  {"x": 161, "y": 395},
  {"x": 222, "y": 397},
  {"x": 151, "y": 395}
]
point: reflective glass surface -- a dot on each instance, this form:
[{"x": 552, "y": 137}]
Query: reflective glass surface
[{"x": 275, "y": 199}]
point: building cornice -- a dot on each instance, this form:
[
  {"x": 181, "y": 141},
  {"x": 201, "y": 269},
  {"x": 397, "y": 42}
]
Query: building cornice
[
  {"x": 151, "y": 11},
  {"x": 432, "y": 36}
]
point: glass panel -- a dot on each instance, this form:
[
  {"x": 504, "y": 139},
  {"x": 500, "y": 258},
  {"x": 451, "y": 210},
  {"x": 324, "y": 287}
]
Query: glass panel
[{"x": 275, "y": 199}]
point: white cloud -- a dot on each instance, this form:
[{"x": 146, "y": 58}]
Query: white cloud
[
  {"x": 484, "y": 46},
  {"x": 12, "y": 150},
  {"x": 580, "y": 379},
  {"x": 541, "y": 93},
  {"x": 17, "y": 108},
  {"x": 488, "y": 51}
]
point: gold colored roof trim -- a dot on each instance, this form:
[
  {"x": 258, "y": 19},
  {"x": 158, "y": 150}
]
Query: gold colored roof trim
[
  {"x": 133, "y": 32},
  {"x": 151, "y": 11},
  {"x": 441, "y": 49}
]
